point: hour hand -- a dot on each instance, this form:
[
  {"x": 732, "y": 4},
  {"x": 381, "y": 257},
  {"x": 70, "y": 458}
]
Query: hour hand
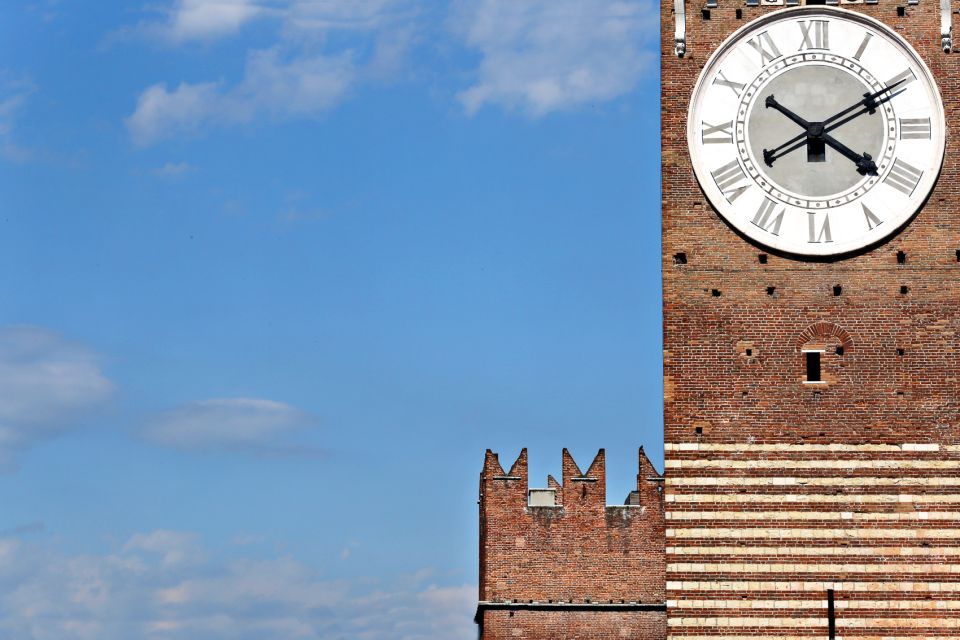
[{"x": 771, "y": 103}]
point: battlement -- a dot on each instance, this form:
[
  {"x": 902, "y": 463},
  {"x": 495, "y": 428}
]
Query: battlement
[
  {"x": 563, "y": 547},
  {"x": 577, "y": 491}
]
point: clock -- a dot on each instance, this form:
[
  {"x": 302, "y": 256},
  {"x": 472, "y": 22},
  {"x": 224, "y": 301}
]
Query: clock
[{"x": 816, "y": 131}]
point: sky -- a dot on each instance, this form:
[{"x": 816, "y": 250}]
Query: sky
[{"x": 273, "y": 276}]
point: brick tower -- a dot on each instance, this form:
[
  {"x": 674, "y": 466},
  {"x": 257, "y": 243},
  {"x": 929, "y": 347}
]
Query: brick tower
[
  {"x": 558, "y": 563},
  {"x": 812, "y": 403}
]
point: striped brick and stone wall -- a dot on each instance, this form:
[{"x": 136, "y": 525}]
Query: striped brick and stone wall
[{"x": 780, "y": 495}]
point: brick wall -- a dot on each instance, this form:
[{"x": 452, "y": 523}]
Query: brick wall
[
  {"x": 578, "y": 569},
  {"x": 777, "y": 491}
]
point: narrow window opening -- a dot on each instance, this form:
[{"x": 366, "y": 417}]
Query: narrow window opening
[
  {"x": 813, "y": 366},
  {"x": 680, "y": 258},
  {"x": 831, "y": 616},
  {"x": 839, "y": 351},
  {"x": 901, "y": 257},
  {"x": 739, "y": 14},
  {"x": 771, "y": 290},
  {"x": 705, "y": 13},
  {"x": 901, "y": 11},
  {"x": 715, "y": 293},
  {"x": 904, "y": 289},
  {"x": 958, "y": 255},
  {"x": 816, "y": 150},
  {"x": 837, "y": 290}
]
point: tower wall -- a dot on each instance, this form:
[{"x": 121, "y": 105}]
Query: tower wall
[{"x": 779, "y": 490}]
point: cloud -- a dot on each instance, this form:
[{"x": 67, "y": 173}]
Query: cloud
[
  {"x": 208, "y": 19},
  {"x": 272, "y": 86},
  {"x": 13, "y": 97},
  {"x": 173, "y": 170},
  {"x": 540, "y": 56},
  {"x": 134, "y": 591},
  {"x": 46, "y": 384},
  {"x": 303, "y": 73},
  {"x": 226, "y": 424}
]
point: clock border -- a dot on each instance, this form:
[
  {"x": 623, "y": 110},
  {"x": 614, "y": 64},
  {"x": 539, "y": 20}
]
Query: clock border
[{"x": 821, "y": 251}]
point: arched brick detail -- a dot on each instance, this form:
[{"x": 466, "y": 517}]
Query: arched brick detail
[{"x": 823, "y": 331}]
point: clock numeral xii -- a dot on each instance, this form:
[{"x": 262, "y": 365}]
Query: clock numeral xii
[{"x": 816, "y": 34}]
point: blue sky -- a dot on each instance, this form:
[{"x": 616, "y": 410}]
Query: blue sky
[{"x": 275, "y": 273}]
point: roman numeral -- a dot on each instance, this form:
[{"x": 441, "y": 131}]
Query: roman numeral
[
  {"x": 904, "y": 78},
  {"x": 903, "y": 177},
  {"x": 764, "y": 45},
  {"x": 863, "y": 45},
  {"x": 914, "y": 128},
  {"x": 815, "y": 34},
  {"x": 727, "y": 176},
  {"x": 824, "y": 234},
  {"x": 765, "y": 219},
  {"x": 722, "y": 80},
  {"x": 721, "y": 133},
  {"x": 872, "y": 219}
]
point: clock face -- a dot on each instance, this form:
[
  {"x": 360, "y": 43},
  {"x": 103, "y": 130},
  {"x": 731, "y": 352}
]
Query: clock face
[{"x": 816, "y": 131}]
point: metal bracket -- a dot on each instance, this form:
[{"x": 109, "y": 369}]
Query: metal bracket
[
  {"x": 946, "y": 26},
  {"x": 680, "y": 30}
]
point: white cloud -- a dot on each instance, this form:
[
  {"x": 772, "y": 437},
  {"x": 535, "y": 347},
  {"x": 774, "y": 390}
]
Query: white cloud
[
  {"x": 300, "y": 75},
  {"x": 273, "y": 85},
  {"x": 226, "y": 423},
  {"x": 134, "y": 592},
  {"x": 13, "y": 98},
  {"x": 208, "y": 19},
  {"x": 46, "y": 383},
  {"x": 540, "y": 56},
  {"x": 173, "y": 170}
]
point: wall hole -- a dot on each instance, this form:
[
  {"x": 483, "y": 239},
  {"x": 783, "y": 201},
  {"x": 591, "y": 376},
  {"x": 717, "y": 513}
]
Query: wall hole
[
  {"x": 749, "y": 352},
  {"x": 680, "y": 258},
  {"x": 901, "y": 11},
  {"x": 771, "y": 290},
  {"x": 813, "y": 366},
  {"x": 837, "y": 290},
  {"x": 705, "y": 13},
  {"x": 900, "y": 352},
  {"x": 901, "y": 257},
  {"x": 763, "y": 258},
  {"x": 904, "y": 289},
  {"x": 839, "y": 351},
  {"x": 958, "y": 255},
  {"x": 698, "y": 431},
  {"x": 715, "y": 293},
  {"x": 739, "y": 14}
]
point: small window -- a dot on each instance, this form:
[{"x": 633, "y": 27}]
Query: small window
[
  {"x": 813, "y": 365},
  {"x": 816, "y": 150}
]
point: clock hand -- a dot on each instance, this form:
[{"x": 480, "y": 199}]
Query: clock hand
[
  {"x": 864, "y": 162},
  {"x": 771, "y": 103},
  {"x": 869, "y": 103}
]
